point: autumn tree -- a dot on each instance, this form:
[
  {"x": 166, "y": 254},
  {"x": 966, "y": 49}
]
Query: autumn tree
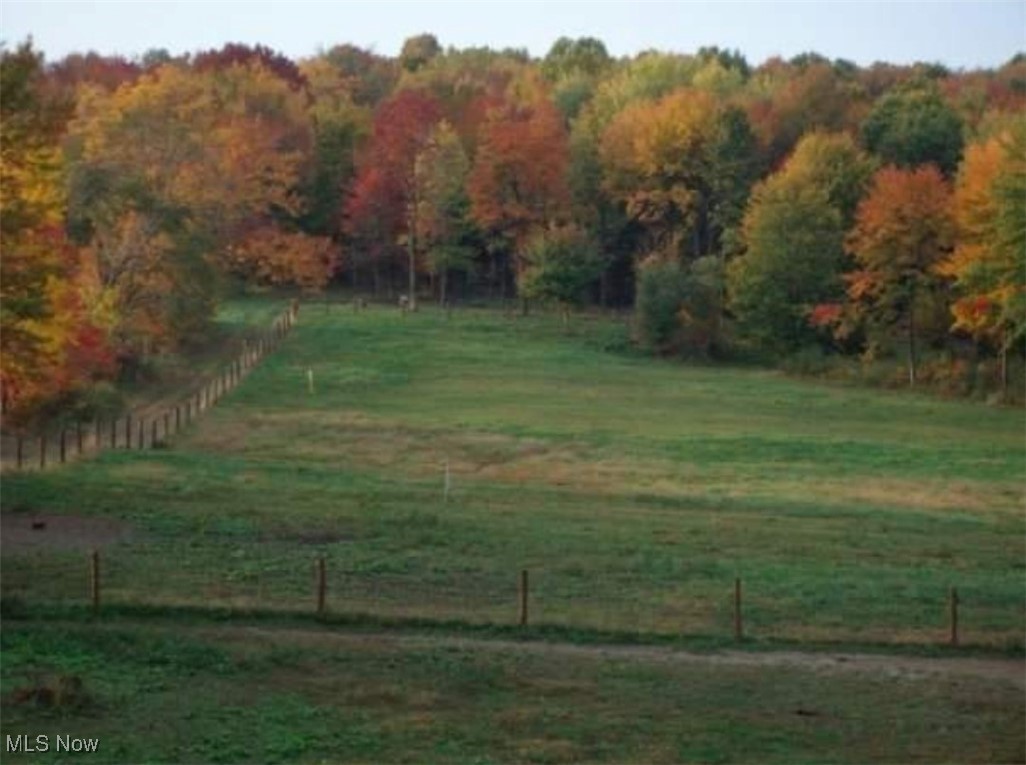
[
  {"x": 387, "y": 184},
  {"x": 989, "y": 260},
  {"x": 518, "y": 181},
  {"x": 903, "y": 230},
  {"x": 51, "y": 341},
  {"x": 370, "y": 77},
  {"x": 373, "y": 215},
  {"x": 789, "y": 100},
  {"x": 659, "y": 159},
  {"x": 184, "y": 164},
  {"x": 238, "y": 54},
  {"x": 418, "y": 51}
]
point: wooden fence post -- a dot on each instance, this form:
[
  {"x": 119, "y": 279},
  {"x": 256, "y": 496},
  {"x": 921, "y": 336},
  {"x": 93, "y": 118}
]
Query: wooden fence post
[
  {"x": 97, "y": 433},
  {"x": 523, "y": 597},
  {"x": 78, "y": 436},
  {"x": 94, "y": 580},
  {"x": 114, "y": 433},
  {"x": 64, "y": 445},
  {"x": 322, "y": 586},
  {"x": 42, "y": 451},
  {"x": 167, "y": 424},
  {"x": 142, "y": 433},
  {"x": 953, "y": 603},
  {"x": 738, "y": 623},
  {"x": 178, "y": 417},
  {"x": 128, "y": 430}
]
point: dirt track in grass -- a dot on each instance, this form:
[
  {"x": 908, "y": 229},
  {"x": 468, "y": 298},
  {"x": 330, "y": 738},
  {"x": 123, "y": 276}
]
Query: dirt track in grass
[{"x": 1004, "y": 671}]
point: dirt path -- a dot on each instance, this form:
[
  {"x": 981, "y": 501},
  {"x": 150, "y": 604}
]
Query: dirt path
[{"x": 1003, "y": 671}]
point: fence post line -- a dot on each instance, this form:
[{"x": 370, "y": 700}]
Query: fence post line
[
  {"x": 114, "y": 433},
  {"x": 20, "y": 451},
  {"x": 64, "y": 445},
  {"x": 42, "y": 451},
  {"x": 94, "y": 581},
  {"x": 738, "y": 623},
  {"x": 128, "y": 430},
  {"x": 322, "y": 586},
  {"x": 523, "y": 597},
  {"x": 142, "y": 433},
  {"x": 953, "y": 603}
]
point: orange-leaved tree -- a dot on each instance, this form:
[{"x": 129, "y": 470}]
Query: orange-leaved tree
[
  {"x": 170, "y": 171},
  {"x": 903, "y": 229},
  {"x": 518, "y": 182},
  {"x": 386, "y": 190}
]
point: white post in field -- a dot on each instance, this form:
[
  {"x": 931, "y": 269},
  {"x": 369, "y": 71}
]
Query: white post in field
[{"x": 309, "y": 380}]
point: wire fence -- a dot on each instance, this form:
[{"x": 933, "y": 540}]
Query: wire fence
[
  {"x": 147, "y": 574},
  {"x": 143, "y": 428},
  {"x": 102, "y": 567}
]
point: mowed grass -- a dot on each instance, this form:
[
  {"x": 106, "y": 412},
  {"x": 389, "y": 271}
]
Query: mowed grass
[
  {"x": 159, "y": 693},
  {"x": 633, "y": 490}
]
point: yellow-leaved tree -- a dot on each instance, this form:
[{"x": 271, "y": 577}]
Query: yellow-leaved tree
[
  {"x": 173, "y": 175},
  {"x": 989, "y": 260}
]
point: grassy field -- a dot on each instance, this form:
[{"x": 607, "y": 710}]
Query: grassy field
[
  {"x": 159, "y": 693},
  {"x": 633, "y": 490}
]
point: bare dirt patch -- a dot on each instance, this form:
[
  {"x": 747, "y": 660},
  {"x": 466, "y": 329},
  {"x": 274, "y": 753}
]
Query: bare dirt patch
[
  {"x": 25, "y": 531},
  {"x": 1010, "y": 671}
]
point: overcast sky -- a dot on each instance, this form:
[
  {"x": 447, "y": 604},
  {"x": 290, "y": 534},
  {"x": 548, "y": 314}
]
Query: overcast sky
[{"x": 978, "y": 33}]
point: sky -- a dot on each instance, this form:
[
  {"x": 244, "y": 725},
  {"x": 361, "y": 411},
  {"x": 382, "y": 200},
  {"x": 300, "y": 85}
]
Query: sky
[{"x": 962, "y": 34}]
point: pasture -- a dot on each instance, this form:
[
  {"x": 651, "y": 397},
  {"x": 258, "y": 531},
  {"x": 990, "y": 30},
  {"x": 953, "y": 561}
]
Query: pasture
[{"x": 633, "y": 491}]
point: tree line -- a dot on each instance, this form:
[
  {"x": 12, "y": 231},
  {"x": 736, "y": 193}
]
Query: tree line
[{"x": 868, "y": 212}]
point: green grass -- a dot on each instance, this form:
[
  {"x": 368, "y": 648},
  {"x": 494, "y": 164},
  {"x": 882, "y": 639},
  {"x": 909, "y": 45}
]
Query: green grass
[
  {"x": 633, "y": 490},
  {"x": 172, "y": 375},
  {"x": 157, "y": 693}
]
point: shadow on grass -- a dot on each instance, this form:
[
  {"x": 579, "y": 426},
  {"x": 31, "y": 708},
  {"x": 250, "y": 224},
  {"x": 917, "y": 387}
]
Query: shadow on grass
[{"x": 16, "y": 609}]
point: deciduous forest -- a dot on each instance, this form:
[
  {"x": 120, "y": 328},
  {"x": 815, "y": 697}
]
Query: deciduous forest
[{"x": 809, "y": 213}]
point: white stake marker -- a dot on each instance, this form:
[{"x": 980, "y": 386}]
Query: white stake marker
[{"x": 309, "y": 380}]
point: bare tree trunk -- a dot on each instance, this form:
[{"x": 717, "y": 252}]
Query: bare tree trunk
[
  {"x": 912, "y": 343},
  {"x": 1004, "y": 365},
  {"x": 413, "y": 272}
]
